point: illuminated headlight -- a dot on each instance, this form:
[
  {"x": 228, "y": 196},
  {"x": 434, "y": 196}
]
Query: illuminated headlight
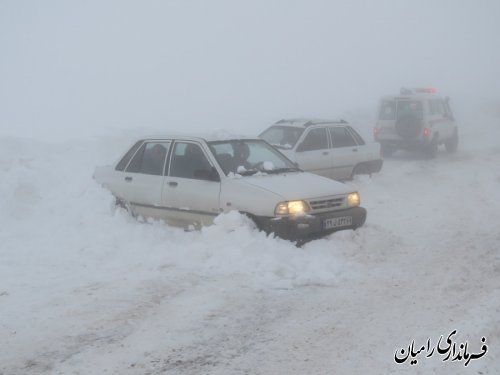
[
  {"x": 293, "y": 208},
  {"x": 353, "y": 199}
]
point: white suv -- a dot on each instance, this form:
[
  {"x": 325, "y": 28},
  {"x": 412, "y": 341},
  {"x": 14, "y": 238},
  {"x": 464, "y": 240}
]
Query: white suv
[{"x": 416, "y": 119}]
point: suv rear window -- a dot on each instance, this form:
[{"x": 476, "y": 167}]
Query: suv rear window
[
  {"x": 403, "y": 108},
  {"x": 407, "y": 108}
]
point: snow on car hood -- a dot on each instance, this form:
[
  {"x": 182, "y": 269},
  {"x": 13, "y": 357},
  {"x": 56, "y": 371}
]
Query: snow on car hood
[{"x": 297, "y": 185}]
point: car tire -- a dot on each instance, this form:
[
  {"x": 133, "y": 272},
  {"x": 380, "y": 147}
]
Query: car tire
[
  {"x": 409, "y": 126},
  {"x": 254, "y": 219},
  {"x": 124, "y": 205},
  {"x": 386, "y": 150},
  {"x": 431, "y": 149},
  {"x": 360, "y": 168},
  {"x": 452, "y": 143}
]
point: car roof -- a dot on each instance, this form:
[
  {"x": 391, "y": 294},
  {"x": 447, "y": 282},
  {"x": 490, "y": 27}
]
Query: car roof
[
  {"x": 415, "y": 94},
  {"x": 305, "y": 122},
  {"x": 419, "y": 96},
  {"x": 213, "y": 137}
]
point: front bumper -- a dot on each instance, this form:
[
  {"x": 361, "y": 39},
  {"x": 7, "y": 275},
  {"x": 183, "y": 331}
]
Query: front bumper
[{"x": 305, "y": 228}]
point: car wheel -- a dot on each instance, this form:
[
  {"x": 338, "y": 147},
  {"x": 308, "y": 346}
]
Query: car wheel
[
  {"x": 452, "y": 144},
  {"x": 386, "y": 150},
  {"x": 360, "y": 169},
  {"x": 254, "y": 219},
  {"x": 122, "y": 204},
  {"x": 409, "y": 126},
  {"x": 431, "y": 149}
]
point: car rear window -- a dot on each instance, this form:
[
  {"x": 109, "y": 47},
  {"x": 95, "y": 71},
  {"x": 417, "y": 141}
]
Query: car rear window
[
  {"x": 356, "y": 136},
  {"x": 123, "y": 163},
  {"x": 407, "y": 108},
  {"x": 341, "y": 137},
  {"x": 392, "y": 109}
]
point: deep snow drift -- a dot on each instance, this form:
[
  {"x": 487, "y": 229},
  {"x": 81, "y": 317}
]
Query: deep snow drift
[{"x": 85, "y": 289}]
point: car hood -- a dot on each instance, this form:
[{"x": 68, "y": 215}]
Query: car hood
[{"x": 297, "y": 185}]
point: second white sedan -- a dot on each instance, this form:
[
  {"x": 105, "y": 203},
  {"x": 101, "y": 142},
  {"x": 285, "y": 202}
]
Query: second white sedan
[{"x": 325, "y": 147}]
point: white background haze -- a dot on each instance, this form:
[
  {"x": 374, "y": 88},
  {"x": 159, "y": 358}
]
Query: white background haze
[{"x": 89, "y": 66}]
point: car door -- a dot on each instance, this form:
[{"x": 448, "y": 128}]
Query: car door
[
  {"x": 445, "y": 124},
  {"x": 313, "y": 153},
  {"x": 345, "y": 152},
  {"x": 143, "y": 179},
  {"x": 192, "y": 188}
]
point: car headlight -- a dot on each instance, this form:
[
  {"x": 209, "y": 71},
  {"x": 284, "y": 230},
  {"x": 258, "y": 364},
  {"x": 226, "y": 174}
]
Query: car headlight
[
  {"x": 292, "y": 208},
  {"x": 353, "y": 199}
]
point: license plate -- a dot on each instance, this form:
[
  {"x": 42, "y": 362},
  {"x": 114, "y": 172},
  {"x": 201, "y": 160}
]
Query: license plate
[{"x": 335, "y": 222}]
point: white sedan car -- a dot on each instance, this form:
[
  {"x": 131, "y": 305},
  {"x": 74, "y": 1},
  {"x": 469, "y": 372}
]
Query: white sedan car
[
  {"x": 330, "y": 148},
  {"x": 188, "y": 181}
]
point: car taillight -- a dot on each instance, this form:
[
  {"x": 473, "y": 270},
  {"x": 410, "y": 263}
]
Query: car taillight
[
  {"x": 376, "y": 131},
  {"x": 426, "y": 132}
]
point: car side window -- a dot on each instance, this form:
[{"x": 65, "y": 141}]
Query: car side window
[
  {"x": 387, "y": 110},
  {"x": 440, "y": 107},
  {"x": 447, "y": 108},
  {"x": 359, "y": 140},
  {"x": 189, "y": 161},
  {"x": 341, "y": 137},
  {"x": 316, "y": 139},
  {"x": 153, "y": 161},
  {"x": 436, "y": 107},
  {"x": 125, "y": 160},
  {"x": 135, "y": 164},
  {"x": 432, "y": 107},
  {"x": 150, "y": 159}
]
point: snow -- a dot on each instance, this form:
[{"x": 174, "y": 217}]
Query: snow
[{"x": 86, "y": 289}]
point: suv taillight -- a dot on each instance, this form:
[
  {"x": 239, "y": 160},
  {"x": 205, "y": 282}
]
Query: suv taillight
[{"x": 376, "y": 131}]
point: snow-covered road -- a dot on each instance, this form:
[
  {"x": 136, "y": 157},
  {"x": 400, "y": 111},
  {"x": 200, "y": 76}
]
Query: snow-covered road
[{"x": 85, "y": 289}]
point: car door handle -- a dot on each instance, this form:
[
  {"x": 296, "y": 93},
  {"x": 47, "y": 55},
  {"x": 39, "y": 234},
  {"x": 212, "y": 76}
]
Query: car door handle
[
  {"x": 354, "y": 150},
  {"x": 325, "y": 152},
  {"x": 172, "y": 183},
  {"x": 128, "y": 179}
]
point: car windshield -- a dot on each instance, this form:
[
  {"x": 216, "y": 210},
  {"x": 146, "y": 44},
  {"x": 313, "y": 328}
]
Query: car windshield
[
  {"x": 284, "y": 137},
  {"x": 248, "y": 157}
]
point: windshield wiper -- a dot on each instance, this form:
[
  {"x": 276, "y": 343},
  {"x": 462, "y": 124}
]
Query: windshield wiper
[
  {"x": 283, "y": 170},
  {"x": 248, "y": 172}
]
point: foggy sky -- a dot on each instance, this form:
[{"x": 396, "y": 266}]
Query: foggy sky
[{"x": 77, "y": 66}]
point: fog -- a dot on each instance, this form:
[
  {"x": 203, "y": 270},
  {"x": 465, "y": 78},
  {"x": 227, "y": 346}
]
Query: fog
[{"x": 72, "y": 69}]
